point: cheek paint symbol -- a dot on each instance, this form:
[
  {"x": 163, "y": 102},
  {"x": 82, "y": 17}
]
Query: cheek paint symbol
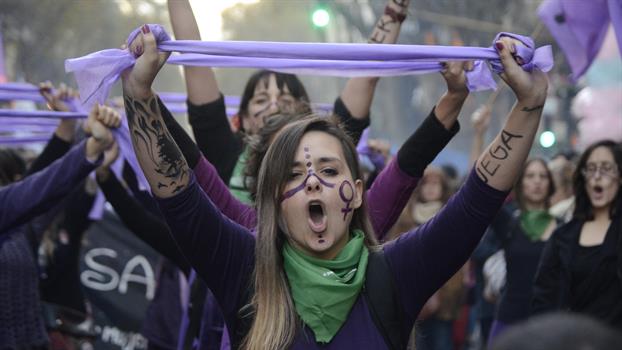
[{"x": 346, "y": 187}]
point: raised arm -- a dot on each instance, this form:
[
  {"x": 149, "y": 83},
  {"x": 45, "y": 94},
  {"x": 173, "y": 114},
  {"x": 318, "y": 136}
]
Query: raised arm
[
  {"x": 200, "y": 81},
  {"x": 500, "y": 163},
  {"x": 394, "y": 185},
  {"x": 38, "y": 193},
  {"x": 206, "y": 107},
  {"x": 358, "y": 93},
  {"x": 425, "y": 252},
  {"x": 63, "y": 136}
]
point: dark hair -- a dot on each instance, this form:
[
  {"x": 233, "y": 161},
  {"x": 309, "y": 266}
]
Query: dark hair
[
  {"x": 296, "y": 89},
  {"x": 518, "y": 186},
  {"x": 583, "y": 206},
  {"x": 559, "y": 331},
  {"x": 12, "y": 166},
  {"x": 259, "y": 144}
]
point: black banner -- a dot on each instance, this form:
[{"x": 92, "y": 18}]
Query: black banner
[{"x": 117, "y": 271}]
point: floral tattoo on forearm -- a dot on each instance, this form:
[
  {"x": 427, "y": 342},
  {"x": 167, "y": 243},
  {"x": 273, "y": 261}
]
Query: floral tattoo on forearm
[{"x": 149, "y": 133}]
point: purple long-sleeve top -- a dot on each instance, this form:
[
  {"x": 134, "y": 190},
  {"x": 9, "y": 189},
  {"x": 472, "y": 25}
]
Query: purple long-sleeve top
[
  {"x": 386, "y": 198},
  {"x": 21, "y": 321},
  {"x": 36, "y": 194},
  {"x": 223, "y": 254}
]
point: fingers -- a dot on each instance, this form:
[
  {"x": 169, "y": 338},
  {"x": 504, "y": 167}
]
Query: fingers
[
  {"x": 468, "y": 65},
  {"x": 108, "y": 116},
  {"x": 150, "y": 47},
  {"x": 46, "y": 86},
  {"x": 506, "y": 49},
  {"x": 136, "y": 46},
  {"x": 63, "y": 92}
]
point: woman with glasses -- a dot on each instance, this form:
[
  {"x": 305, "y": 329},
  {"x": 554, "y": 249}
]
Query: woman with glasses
[{"x": 581, "y": 266}]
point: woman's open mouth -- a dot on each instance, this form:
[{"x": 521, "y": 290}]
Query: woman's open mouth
[{"x": 317, "y": 217}]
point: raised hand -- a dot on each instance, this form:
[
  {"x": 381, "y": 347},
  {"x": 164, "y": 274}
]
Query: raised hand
[
  {"x": 454, "y": 74},
  {"x": 449, "y": 106},
  {"x": 100, "y": 120},
  {"x": 56, "y": 100},
  {"x": 530, "y": 88},
  {"x": 137, "y": 80}
]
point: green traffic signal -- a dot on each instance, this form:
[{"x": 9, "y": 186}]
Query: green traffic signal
[
  {"x": 547, "y": 139},
  {"x": 320, "y": 18}
]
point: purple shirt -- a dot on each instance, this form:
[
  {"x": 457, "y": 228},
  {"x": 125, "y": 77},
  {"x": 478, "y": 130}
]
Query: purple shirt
[
  {"x": 21, "y": 320},
  {"x": 36, "y": 194},
  {"x": 222, "y": 252}
]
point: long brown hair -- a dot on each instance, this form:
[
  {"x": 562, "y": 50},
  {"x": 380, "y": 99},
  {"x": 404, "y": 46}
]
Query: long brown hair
[{"x": 276, "y": 323}]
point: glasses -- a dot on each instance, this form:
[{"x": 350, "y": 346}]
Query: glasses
[{"x": 605, "y": 169}]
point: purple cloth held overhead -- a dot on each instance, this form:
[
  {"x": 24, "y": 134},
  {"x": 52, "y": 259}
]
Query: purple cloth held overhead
[
  {"x": 18, "y": 140},
  {"x": 95, "y": 73},
  {"x": 41, "y": 114}
]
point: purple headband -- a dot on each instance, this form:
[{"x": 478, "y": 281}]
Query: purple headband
[{"x": 96, "y": 72}]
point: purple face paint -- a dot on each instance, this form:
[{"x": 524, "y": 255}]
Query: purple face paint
[
  {"x": 344, "y": 189},
  {"x": 258, "y": 114},
  {"x": 310, "y": 173},
  {"x": 302, "y": 186}
]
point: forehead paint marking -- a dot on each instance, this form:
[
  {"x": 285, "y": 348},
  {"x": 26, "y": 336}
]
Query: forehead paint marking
[{"x": 345, "y": 198}]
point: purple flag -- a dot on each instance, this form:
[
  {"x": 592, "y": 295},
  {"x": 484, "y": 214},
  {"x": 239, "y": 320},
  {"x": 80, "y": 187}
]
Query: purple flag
[{"x": 579, "y": 27}]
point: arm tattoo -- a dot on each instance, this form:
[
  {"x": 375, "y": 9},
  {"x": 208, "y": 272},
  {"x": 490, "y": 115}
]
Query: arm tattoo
[
  {"x": 377, "y": 38},
  {"x": 532, "y": 109},
  {"x": 149, "y": 133},
  {"x": 490, "y": 163}
]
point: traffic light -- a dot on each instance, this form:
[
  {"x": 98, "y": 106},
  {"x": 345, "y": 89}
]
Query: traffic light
[
  {"x": 320, "y": 18},
  {"x": 547, "y": 139}
]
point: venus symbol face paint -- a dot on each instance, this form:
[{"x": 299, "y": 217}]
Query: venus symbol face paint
[{"x": 346, "y": 192}]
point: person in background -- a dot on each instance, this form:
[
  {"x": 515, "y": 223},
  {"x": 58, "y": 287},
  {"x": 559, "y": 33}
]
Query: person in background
[
  {"x": 22, "y": 202},
  {"x": 522, "y": 234},
  {"x": 581, "y": 267}
]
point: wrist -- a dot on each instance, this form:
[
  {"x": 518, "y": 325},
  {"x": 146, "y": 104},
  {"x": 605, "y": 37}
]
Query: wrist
[
  {"x": 136, "y": 90},
  {"x": 95, "y": 146},
  {"x": 94, "y": 149},
  {"x": 531, "y": 103},
  {"x": 102, "y": 173},
  {"x": 458, "y": 95},
  {"x": 397, "y": 14}
]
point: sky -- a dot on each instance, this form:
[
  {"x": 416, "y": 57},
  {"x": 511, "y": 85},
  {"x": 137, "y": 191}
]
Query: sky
[{"x": 208, "y": 14}]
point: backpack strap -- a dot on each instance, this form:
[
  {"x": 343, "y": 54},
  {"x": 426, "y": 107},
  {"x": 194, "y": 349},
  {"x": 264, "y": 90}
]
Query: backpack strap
[{"x": 380, "y": 293}]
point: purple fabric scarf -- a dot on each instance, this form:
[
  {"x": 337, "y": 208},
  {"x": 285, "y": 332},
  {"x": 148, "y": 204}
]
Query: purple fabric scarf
[
  {"x": 122, "y": 136},
  {"x": 29, "y": 92},
  {"x": 96, "y": 72}
]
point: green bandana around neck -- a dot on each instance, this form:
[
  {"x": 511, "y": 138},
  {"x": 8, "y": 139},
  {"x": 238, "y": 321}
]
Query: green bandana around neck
[
  {"x": 534, "y": 223},
  {"x": 237, "y": 186},
  {"x": 324, "y": 291}
]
